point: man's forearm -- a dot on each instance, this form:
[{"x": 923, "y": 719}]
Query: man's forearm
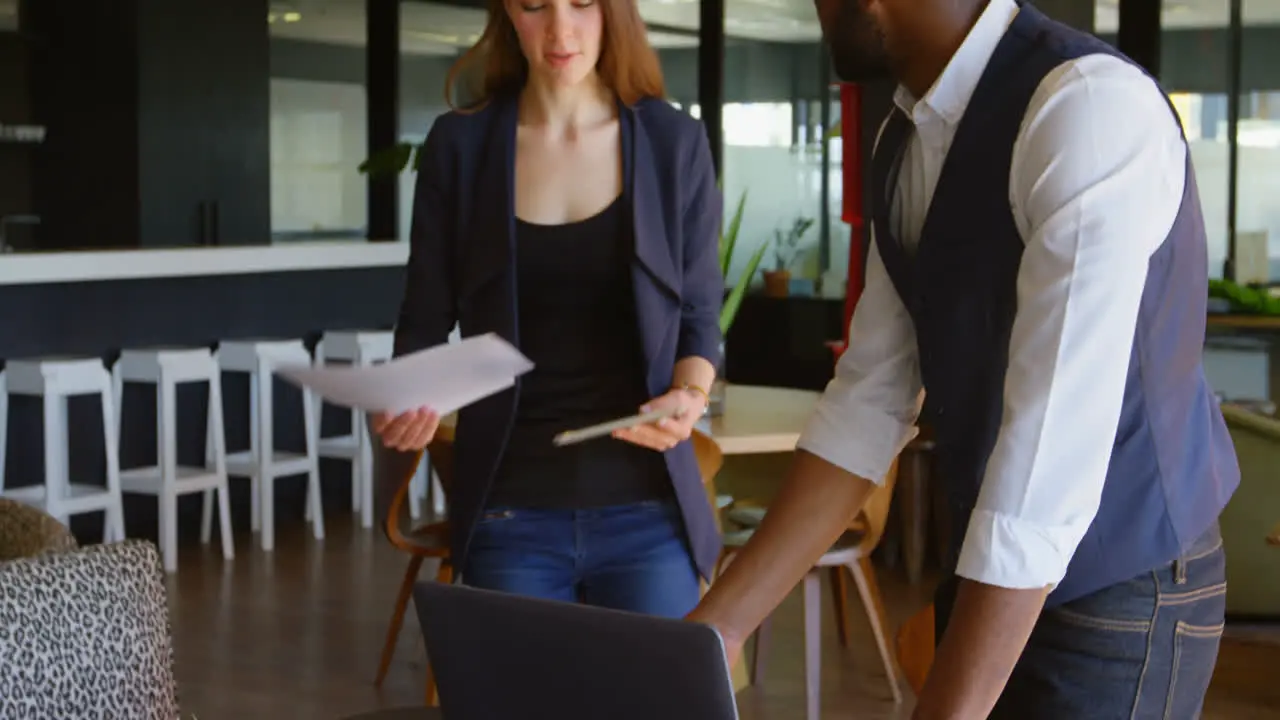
[
  {"x": 988, "y": 628},
  {"x": 812, "y": 509}
]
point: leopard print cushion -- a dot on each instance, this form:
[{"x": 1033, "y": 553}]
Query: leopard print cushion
[
  {"x": 84, "y": 635},
  {"x": 26, "y": 531}
]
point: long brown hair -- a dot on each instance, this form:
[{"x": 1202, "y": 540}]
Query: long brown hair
[{"x": 628, "y": 65}]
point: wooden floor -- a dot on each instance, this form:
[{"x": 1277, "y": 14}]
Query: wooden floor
[{"x": 297, "y": 633}]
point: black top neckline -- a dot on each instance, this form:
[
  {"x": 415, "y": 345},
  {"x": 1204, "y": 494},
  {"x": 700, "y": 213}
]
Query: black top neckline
[{"x": 607, "y": 210}]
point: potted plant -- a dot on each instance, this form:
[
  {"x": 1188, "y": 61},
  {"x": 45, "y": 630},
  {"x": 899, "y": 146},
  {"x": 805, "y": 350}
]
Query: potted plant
[
  {"x": 777, "y": 282},
  {"x": 733, "y": 301},
  {"x": 728, "y": 242},
  {"x": 392, "y": 160}
]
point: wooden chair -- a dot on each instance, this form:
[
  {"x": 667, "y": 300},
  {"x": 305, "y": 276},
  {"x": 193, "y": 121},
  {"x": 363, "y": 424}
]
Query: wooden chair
[
  {"x": 710, "y": 458},
  {"x": 916, "y": 644},
  {"x": 918, "y": 504},
  {"x": 851, "y": 553},
  {"x": 427, "y": 540}
]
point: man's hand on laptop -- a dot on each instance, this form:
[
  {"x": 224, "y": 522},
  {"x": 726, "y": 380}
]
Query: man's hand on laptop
[
  {"x": 811, "y": 510},
  {"x": 410, "y": 430},
  {"x": 732, "y": 643}
]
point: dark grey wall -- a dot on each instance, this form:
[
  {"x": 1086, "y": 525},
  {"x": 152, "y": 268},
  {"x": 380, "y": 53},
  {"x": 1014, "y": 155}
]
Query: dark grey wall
[{"x": 15, "y": 108}]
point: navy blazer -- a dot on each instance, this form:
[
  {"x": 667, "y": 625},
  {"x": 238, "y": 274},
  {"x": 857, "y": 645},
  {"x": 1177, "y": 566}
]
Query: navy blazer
[{"x": 461, "y": 270}]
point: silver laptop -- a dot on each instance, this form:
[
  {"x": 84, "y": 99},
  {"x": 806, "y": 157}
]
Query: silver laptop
[{"x": 498, "y": 656}]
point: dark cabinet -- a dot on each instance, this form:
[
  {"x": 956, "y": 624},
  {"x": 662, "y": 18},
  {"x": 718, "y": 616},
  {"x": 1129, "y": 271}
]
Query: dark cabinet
[
  {"x": 15, "y": 114},
  {"x": 159, "y": 122},
  {"x": 782, "y": 342}
]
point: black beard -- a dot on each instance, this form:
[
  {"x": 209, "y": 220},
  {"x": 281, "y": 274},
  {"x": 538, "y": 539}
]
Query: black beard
[
  {"x": 856, "y": 67},
  {"x": 857, "y": 46}
]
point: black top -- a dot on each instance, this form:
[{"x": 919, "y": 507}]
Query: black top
[{"x": 578, "y": 325}]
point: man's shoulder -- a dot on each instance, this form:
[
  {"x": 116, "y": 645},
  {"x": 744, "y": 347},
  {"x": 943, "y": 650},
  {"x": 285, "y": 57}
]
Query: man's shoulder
[
  {"x": 1106, "y": 102},
  {"x": 1102, "y": 83}
]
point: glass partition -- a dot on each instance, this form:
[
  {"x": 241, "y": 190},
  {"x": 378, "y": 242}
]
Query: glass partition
[
  {"x": 1194, "y": 69},
  {"x": 432, "y": 37},
  {"x": 319, "y": 129},
  {"x": 1258, "y": 145}
]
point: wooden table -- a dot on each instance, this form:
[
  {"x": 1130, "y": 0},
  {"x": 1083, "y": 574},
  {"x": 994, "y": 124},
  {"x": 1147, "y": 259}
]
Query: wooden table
[
  {"x": 1242, "y": 321},
  {"x": 755, "y": 420},
  {"x": 760, "y": 419}
]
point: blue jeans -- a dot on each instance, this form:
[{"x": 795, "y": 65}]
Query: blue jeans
[
  {"x": 626, "y": 557},
  {"x": 1141, "y": 649}
]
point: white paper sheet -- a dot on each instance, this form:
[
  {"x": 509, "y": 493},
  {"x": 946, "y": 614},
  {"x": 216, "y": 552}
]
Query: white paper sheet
[{"x": 444, "y": 378}]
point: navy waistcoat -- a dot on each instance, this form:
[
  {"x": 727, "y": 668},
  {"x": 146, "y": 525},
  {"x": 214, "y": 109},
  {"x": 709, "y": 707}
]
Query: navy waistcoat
[{"x": 1173, "y": 466}]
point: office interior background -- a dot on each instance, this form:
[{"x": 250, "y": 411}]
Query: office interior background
[
  {"x": 778, "y": 109},
  {"x": 242, "y": 125}
]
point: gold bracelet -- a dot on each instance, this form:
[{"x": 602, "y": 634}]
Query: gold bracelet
[{"x": 701, "y": 391}]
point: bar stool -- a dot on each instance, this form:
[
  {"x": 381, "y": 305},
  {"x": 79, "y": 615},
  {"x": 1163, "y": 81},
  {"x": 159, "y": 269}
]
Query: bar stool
[
  {"x": 166, "y": 368},
  {"x": 55, "y": 380},
  {"x": 358, "y": 348},
  {"x": 426, "y": 486},
  {"x": 262, "y": 463}
]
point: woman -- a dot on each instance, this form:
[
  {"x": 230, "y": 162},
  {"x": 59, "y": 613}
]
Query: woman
[{"x": 576, "y": 214}]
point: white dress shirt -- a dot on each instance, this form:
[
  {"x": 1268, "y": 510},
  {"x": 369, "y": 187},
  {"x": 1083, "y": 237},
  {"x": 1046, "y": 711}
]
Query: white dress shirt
[{"x": 1095, "y": 185}]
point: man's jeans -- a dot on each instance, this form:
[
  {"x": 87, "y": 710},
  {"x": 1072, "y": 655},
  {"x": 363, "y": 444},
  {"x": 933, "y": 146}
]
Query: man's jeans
[
  {"x": 1141, "y": 649},
  {"x": 627, "y": 557}
]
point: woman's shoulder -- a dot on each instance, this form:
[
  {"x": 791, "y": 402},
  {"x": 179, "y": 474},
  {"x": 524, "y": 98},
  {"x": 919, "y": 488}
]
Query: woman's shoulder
[
  {"x": 458, "y": 124},
  {"x": 663, "y": 119}
]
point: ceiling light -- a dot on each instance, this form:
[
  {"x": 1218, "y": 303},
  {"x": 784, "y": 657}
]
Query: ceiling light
[
  {"x": 444, "y": 39},
  {"x": 292, "y": 17},
  {"x": 271, "y": 17}
]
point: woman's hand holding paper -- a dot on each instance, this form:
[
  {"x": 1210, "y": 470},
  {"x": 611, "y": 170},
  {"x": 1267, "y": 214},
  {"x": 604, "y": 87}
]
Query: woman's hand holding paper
[{"x": 411, "y": 430}]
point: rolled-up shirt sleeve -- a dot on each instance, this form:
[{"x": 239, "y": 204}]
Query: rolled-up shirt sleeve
[
  {"x": 1096, "y": 184},
  {"x": 868, "y": 411}
]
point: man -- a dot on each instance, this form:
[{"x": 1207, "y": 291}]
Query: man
[{"x": 1039, "y": 268}]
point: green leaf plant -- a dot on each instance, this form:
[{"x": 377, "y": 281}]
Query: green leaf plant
[
  {"x": 1244, "y": 299},
  {"x": 392, "y": 160},
  {"x": 728, "y": 241}
]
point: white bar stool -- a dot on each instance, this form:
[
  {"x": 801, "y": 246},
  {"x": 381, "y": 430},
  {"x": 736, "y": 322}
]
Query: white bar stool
[
  {"x": 262, "y": 463},
  {"x": 425, "y": 486},
  {"x": 55, "y": 380},
  {"x": 358, "y": 348},
  {"x": 166, "y": 368}
]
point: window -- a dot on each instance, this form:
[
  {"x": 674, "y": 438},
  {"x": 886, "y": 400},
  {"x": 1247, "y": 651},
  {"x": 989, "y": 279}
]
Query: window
[{"x": 1257, "y": 221}]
